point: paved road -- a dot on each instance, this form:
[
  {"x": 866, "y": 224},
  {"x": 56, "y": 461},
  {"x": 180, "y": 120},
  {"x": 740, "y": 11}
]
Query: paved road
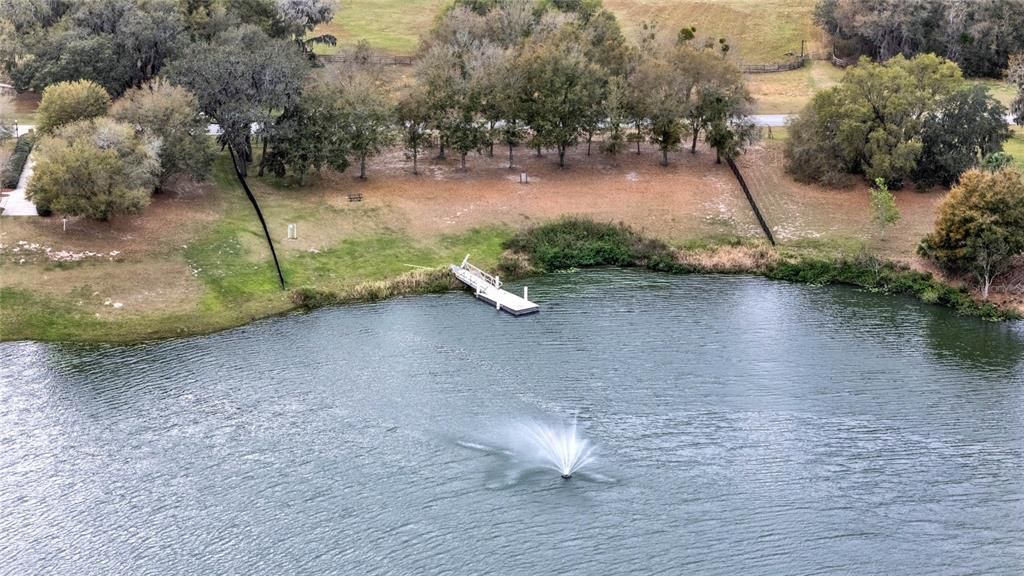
[{"x": 771, "y": 119}]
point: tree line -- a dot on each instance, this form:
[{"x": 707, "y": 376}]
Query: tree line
[
  {"x": 510, "y": 73},
  {"x": 979, "y": 35},
  {"x": 121, "y": 44},
  {"x": 546, "y": 74},
  {"x": 542, "y": 73}
]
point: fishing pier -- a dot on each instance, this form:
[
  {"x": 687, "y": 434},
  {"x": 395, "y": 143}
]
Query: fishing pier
[{"x": 488, "y": 288}]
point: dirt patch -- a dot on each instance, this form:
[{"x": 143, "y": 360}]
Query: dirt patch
[
  {"x": 170, "y": 217},
  {"x": 806, "y": 212},
  {"x": 671, "y": 202}
]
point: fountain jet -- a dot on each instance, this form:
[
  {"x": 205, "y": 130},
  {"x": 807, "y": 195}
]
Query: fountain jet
[{"x": 559, "y": 448}]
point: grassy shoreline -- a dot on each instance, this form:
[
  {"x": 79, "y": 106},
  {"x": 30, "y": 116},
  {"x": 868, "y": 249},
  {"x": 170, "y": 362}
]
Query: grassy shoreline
[{"x": 559, "y": 245}]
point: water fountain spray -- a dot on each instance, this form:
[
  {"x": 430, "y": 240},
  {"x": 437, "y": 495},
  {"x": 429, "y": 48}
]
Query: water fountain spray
[{"x": 557, "y": 447}]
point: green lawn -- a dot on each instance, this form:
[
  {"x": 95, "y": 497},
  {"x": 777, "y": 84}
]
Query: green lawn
[
  {"x": 1015, "y": 147},
  {"x": 1000, "y": 89},
  {"x": 758, "y": 30},
  {"x": 392, "y": 26}
]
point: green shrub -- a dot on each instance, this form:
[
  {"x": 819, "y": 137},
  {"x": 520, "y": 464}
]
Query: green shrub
[
  {"x": 16, "y": 163},
  {"x": 65, "y": 103},
  {"x": 579, "y": 243}
]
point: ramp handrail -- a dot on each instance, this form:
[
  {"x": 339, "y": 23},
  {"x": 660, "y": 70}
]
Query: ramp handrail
[{"x": 493, "y": 280}]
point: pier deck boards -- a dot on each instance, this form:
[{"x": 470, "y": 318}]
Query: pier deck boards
[{"x": 488, "y": 289}]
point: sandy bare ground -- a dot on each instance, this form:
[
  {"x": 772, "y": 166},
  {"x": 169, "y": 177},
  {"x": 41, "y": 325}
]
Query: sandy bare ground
[{"x": 692, "y": 197}]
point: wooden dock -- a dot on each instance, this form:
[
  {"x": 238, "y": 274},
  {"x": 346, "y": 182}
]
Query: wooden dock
[{"x": 488, "y": 288}]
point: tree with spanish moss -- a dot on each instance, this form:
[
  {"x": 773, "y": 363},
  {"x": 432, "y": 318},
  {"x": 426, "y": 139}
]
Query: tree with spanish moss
[
  {"x": 915, "y": 118},
  {"x": 68, "y": 102},
  {"x": 309, "y": 136},
  {"x": 96, "y": 168},
  {"x": 414, "y": 124},
  {"x": 1015, "y": 76},
  {"x": 662, "y": 101},
  {"x": 171, "y": 115},
  {"x": 242, "y": 78}
]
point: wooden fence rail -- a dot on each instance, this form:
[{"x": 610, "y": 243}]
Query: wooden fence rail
[
  {"x": 376, "y": 59},
  {"x": 777, "y": 67},
  {"x": 793, "y": 64},
  {"x": 843, "y": 62}
]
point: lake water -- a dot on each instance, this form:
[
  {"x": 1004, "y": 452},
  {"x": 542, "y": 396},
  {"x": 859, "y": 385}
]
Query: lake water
[{"x": 743, "y": 427}]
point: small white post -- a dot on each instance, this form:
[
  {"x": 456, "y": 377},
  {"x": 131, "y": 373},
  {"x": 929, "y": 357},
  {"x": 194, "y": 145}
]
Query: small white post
[
  {"x": 526, "y": 293},
  {"x": 64, "y": 221},
  {"x": 523, "y": 178},
  {"x": 497, "y": 281}
]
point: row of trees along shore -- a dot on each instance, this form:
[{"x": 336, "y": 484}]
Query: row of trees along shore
[{"x": 513, "y": 73}]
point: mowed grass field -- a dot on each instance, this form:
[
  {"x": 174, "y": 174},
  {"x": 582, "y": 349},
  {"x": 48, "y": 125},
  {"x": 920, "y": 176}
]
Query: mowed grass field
[
  {"x": 392, "y": 26},
  {"x": 759, "y": 31}
]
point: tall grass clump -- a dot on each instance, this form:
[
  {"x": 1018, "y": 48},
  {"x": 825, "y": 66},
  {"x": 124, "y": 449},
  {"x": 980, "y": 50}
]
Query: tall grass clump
[
  {"x": 575, "y": 242},
  {"x": 415, "y": 282}
]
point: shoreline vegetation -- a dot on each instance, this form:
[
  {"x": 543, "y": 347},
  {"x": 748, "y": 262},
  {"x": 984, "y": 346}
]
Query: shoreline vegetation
[
  {"x": 574, "y": 243},
  {"x": 568, "y": 243}
]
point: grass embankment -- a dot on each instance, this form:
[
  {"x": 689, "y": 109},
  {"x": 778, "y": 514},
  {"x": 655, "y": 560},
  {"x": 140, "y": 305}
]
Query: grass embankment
[
  {"x": 578, "y": 243},
  {"x": 239, "y": 288},
  {"x": 759, "y": 31},
  {"x": 392, "y": 26}
]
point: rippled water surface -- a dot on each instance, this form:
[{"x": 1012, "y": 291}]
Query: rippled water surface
[{"x": 743, "y": 427}]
